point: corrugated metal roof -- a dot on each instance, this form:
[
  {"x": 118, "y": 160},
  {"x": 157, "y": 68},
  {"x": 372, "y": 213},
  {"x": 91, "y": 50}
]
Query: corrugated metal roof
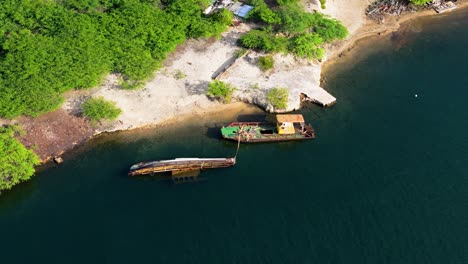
[
  {"x": 290, "y": 118},
  {"x": 243, "y": 11}
]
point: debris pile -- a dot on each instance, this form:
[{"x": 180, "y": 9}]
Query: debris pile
[
  {"x": 442, "y": 7},
  {"x": 379, "y": 9}
]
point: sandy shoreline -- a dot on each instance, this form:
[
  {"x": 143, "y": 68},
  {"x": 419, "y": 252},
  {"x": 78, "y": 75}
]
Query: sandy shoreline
[
  {"x": 373, "y": 29},
  {"x": 177, "y": 93}
]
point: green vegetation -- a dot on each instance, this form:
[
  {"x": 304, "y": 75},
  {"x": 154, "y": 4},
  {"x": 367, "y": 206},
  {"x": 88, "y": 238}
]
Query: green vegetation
[
  {"x": 264, "y": 40},
  {"x": 221, "y": 90},
  {"x": 323, "y": 4},
  {"x": 278, "y": 97},
  {"x": 241, "y": 52},
  {"x": 179, "y": 75},
  {"x": 49, "y": 47},
  {"x": 289, "y": 28},
  {"x": 98, "y": 108},
  {"x": 307, "y": 46},
  {"x": 16, "y": 162},
  {"x": 420, "y": 2},
  {"x": 130, "y": 84},
  {"x": 266, "y": 63}
]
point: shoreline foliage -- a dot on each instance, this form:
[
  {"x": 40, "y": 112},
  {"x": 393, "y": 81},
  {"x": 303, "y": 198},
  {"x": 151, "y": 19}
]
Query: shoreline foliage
[
  {"x": 278, "y": 97},
  {"x": 16, "y": 161},
  {"x": 266, "y": 63},
  {"x": 98, "y": 108},
  {"x": 221, "y": 90},
  {"x": 49, "y": 47},
  {"x": 287, "y": 27}
]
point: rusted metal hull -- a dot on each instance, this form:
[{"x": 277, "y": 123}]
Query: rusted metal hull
[
  {"x": 253, "y": 132},
  {"x": 265, "y": 140},
  {"x": 178, "y": 166}
]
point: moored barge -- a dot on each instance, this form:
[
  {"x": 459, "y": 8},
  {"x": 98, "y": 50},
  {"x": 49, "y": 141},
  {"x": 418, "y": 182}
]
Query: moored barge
[{"x": 288, "y": 127}]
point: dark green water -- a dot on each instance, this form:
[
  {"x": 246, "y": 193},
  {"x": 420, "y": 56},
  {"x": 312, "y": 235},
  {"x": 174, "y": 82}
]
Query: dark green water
[{"x": 385, "y": 182}]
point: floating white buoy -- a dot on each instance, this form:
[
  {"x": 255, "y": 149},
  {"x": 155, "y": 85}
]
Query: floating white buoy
[{"x": 415, "y": 95}]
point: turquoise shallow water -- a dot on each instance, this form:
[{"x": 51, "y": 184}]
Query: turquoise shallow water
[{"x": 386, "y": 181}]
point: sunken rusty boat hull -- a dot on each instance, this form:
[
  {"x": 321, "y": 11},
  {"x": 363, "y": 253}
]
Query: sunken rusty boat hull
[
  {"x": 257, "y": 132},
  {"x": 180, "y": 165}
]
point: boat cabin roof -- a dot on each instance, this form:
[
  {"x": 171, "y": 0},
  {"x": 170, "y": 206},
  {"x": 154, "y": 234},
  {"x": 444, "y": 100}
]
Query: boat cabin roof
[{"x": 290, "y": 118}]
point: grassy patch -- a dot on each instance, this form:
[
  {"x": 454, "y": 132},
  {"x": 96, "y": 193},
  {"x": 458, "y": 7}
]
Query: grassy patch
[
  {"x": 221, "y": 91},
  {"x": 98, "y": 108},
  {"x": 278, "y": 97},
  {"x": 266, "y": 63},
  {"x": 179, "y": 75},
  {"x": 241, "y": 52}
]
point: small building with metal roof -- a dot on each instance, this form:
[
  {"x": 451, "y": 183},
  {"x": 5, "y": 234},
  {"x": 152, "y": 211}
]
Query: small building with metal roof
[{"x": 285, "y": 123}]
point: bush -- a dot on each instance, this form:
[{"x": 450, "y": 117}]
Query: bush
[
  {"x": 263, "y": 40},
  {"x": 323, "y": 4},
  {"x": 98, "y": 108},
  {"x": 266, "y": 63},
  {"x": 278, "y": 97},
  {"x": 16, "y": 162},
  {"x": 328, "y": 28},
  {"x": 241, "y": 52},
  {"x": 261, "y": 13},
  {"x": 221, "y": 90},
  {"x": 307, "y": 46},
  {"x": 294, "y": 19}
]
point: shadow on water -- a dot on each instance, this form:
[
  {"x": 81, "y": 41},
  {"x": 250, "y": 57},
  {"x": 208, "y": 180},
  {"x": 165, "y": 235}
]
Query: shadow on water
[
  {"x": 8, "y": 198},
  {"x": 214, "y": 132},
  {"x": 252, "y": 118},
  {"x": 167, "y": 179}
]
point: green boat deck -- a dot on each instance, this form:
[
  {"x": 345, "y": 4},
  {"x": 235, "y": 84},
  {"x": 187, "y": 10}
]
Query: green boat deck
[{"x": 258, "y": 133}]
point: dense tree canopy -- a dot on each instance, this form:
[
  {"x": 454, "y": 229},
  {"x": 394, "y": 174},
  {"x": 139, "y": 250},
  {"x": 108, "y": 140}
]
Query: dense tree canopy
[
  {"x": 48, "y": 47},
  {"x": 289, "y": 28},
  {"x": 16, "y": 162}
]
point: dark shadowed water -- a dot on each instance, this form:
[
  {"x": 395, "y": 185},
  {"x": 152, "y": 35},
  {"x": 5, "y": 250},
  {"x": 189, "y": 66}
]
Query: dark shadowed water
[{"x": 386, "y": 181}]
